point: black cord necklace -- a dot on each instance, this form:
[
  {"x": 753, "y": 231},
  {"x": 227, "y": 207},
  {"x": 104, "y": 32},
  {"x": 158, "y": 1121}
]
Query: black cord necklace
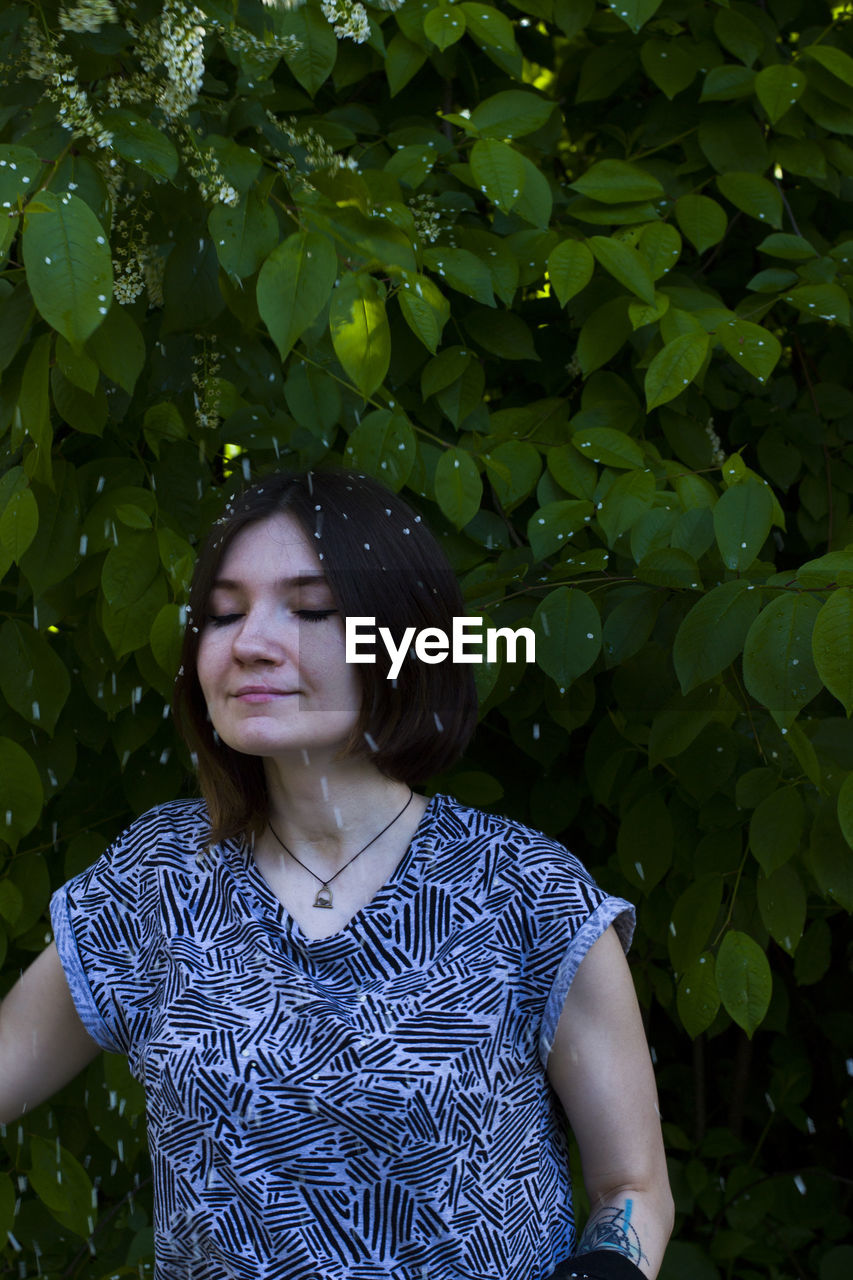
[{"x": 324, "y": 893}]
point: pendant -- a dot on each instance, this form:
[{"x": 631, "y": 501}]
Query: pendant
[{"x": 324, "y": 897}]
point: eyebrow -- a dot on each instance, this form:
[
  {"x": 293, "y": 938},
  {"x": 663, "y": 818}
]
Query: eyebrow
[{"x": 299, "y": 580}]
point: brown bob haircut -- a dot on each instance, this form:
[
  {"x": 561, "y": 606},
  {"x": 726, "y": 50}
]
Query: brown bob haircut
[{"x": 380, "y": 561}]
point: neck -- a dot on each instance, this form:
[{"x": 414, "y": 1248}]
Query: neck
[{"x": 332, "y": 810}]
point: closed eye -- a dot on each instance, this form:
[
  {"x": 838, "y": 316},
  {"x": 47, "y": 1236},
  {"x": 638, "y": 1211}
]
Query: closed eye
[
  {"x": 223, "y": 619},
  {"x": 315, "y": 615}
]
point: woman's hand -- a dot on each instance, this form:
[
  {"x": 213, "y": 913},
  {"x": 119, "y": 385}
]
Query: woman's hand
[{"x": 602, "y": 1073}]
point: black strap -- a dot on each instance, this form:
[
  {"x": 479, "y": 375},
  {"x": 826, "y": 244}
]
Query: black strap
[{"x": 600, "y": 1264}]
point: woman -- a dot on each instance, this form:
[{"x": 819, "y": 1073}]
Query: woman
[{"x": 351, "y": 1007}]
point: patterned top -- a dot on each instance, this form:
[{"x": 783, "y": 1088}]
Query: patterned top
[{"x": 369, "y": 1106}]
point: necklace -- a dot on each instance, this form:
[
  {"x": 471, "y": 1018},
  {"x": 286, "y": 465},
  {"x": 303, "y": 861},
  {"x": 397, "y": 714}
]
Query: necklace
[{"x": 324, "y": 893}]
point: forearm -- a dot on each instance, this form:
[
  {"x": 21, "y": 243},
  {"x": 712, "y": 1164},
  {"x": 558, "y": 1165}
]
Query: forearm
[{"x": 635, "y": 1223}]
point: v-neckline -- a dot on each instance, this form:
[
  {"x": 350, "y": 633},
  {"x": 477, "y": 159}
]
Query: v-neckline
[{"x": 289, "y": 922}]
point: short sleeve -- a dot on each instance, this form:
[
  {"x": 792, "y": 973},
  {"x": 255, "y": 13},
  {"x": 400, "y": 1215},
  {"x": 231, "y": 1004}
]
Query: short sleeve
[
  {"x": 568, "y": 912},
  {"x": 104, "y": 921}
]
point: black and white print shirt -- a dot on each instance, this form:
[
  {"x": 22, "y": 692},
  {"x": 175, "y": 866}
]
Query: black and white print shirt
[{"x": 369, "y": 1106}]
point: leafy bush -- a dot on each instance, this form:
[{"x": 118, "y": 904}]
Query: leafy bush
[{"x": 575, "y": 278}]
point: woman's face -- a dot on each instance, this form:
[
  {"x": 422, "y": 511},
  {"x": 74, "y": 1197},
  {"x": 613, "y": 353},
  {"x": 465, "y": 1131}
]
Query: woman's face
[{"x": 271, "y": 655}]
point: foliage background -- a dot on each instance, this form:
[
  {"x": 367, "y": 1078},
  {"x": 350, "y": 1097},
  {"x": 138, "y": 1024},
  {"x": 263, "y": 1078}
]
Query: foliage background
[{"x": 575, "y": 278}]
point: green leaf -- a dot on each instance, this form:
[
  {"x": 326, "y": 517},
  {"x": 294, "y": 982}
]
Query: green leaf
[
  {"x": 821, "y": 301},
  {"x": 645, "y": 842},
  {"x": 403, "y": 60},
  {"x": 836, "y": 61},
  {"x": 294, "y": 285},
  {"x": 782, "y": 903},
  {"x": 19, "y": 169},
  {"x": 743, "y": 980},
  {"x": 536, "y": 202},
  {"x": 828, "y": 856},
  {"x": 702, "y": 220},
  {"x": 697, "y": 997},
  {"x": 498, "y": 171},
  {"x": 554, "y": 525},
  {"x": 625, "y": 264},
  {"x": 612, "y": 448},
  {"x": 603, "y": 333},
  {"x": 845, "y": 809},
  {"x": 669, "y": 567},
  {"x": 514, "y": 467},
  {"x": 776, "y": 829},
  {"x": 458, "y": 487},
  {"x": 570, "y": 268},
  {"x": 425, "y": 308},
  {"x": 778, "y": 668},
  {"x": 726, "y": 83},
  {"x": 778, "y": 89},
  {"x": 383, "y": 444},
  {"x": 445, "y": 25},
  {"x": 360, "y": 333},
  {"x": 680, "y": 722},
  {"x": 693, "y": 917},
  {"x": 34, "y": 408},
  {"x": 503, "y": 333},
  {"x": 69, "y": 267},
  {"x": 243, "y": 234},
  {"x": 628, "y": 498},
  {"x": 313, "y": 59},
  {"x": 489, "y": 28},
  {"x": 793, "y": 248},
  {"x": 669, "y": 64},
  {"x": 54, "y": 552},
  {"x": 755, "y": 348},
  {"x": 166, "y": 637},
  {"x": 660, "y": 247},
  {"x": 19, "y": 519},
  {"x": 63, "y": 1185},
  {"x": 574, "y": 473},
  {"x": 34, "y": 680},
  {"x": 832, "y": 646},
  {"x": 753, "y": 195},
  {"x": 742, "y": 519},
  {"x": 618, "y": 182},
  {"x": 739, "y": 35},
  {"x": 635, "y": 13},
  {"x": 833, "y": 569},
  {"x": 127, "y": 626},
  {"x": 568, "y": 634},
  {"x": 142, "y": 143},
  {"x": 463, "y": 271},
  {"x": 119, "y": 348},
  {"x": 21, "y": 794},
  {"x": 444, "y": 370},
  {"x": 713, "y": 633},
  {"x": 130, "y": 568},
  {"x": 313, "y": 398},
  {"x": 511, "y": 114},
  {"x": 674, "y": 367}
]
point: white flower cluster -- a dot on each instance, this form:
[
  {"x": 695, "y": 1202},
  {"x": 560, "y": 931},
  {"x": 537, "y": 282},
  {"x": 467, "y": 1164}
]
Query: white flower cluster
[
  {"x": 718, "y": 453},
  {"x": 182, "y": 53},
  {"x": 87, "y": 15},
  {"x": 129, "y": 238},
  {"x": 242, "y": 41},
  {"x": 284, "y": 4},
  {"x": 205, "y": 168},
  {"x": 47, "y": 63},
  {"x": 206, "y": 386},
  {"x": 427, "y": 218},
  {"x": 349, "y": 19},
  {"x": 318, "y": 153}
]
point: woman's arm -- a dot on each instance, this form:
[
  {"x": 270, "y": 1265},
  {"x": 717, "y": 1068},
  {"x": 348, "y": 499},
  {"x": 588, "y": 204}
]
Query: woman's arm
[
  {"x": 43, "y": 1042},
  {"x": 601, "y": 1070}
]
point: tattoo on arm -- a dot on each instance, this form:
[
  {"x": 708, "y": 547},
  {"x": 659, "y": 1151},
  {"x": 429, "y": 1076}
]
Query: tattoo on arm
[{"x": 610, "y": 1228}]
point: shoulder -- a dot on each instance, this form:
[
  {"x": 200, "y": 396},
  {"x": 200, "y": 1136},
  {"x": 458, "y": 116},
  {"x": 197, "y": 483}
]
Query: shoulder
[
  {"x": 538, "y": 858},
  {"x": 177, "y": 827}
]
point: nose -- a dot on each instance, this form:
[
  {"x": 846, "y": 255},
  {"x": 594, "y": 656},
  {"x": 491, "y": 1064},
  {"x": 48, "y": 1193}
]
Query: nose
[{"x": 261, "y": 637}]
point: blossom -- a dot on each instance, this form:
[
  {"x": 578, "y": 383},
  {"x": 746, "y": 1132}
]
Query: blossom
[
  {"x": 182, "y": 53},
  {"x": 87, "y": 15},
  {"x": 349, "y": 18}
]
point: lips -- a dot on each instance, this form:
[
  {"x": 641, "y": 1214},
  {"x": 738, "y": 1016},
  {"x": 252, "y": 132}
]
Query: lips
[{"x": 263, "y": 691}]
